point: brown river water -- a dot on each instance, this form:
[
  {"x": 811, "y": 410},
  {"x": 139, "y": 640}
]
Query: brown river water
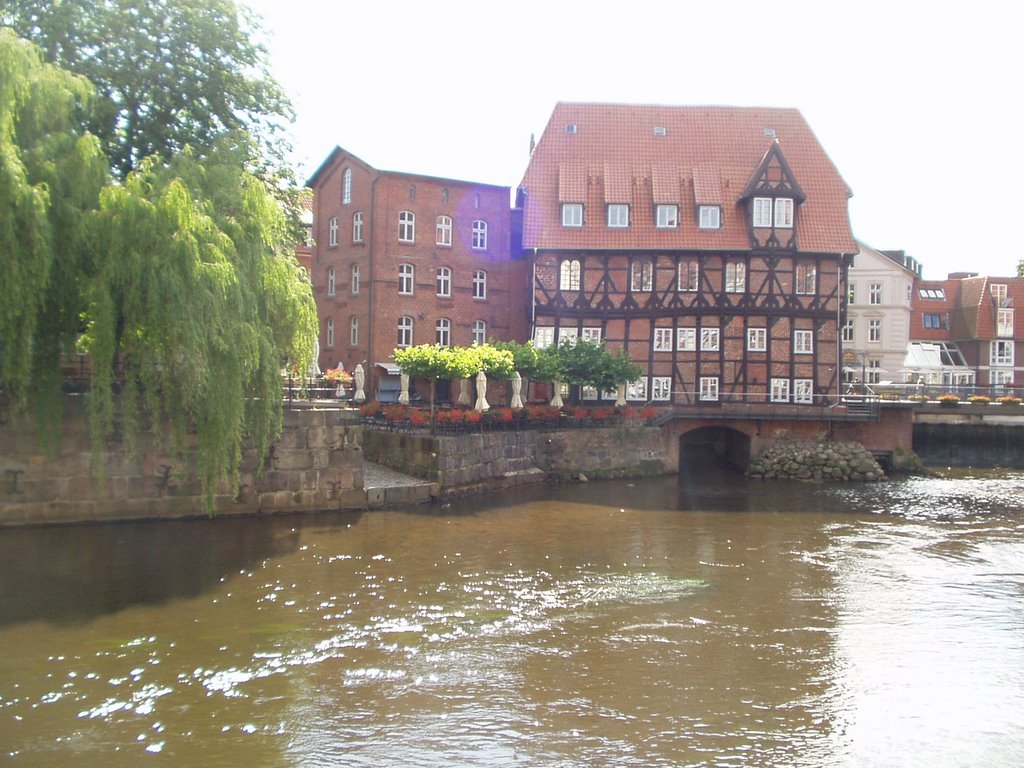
[{"x": 691, "y": 621}]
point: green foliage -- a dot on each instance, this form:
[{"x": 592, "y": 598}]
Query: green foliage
[
  {"x": 524, "y": 356},
  {"x": 586, "y": 363},
  {"x": 433, "y": 361},
  {"x": 169, "y": 73},
  {"x": 495, "y": 363}
]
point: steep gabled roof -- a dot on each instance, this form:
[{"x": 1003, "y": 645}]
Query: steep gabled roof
[{"x": 705, "y": 155}]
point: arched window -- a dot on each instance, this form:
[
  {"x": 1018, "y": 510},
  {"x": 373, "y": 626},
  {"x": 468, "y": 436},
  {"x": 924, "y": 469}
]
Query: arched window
[
  {"x": 407, "y": 227},
  {"x": 569, "y": 275},
  {"x": 404, "y": 331},
  {"x": 332, "y": 239},
  {"x": 479, "y": 284},
  {"x": 444, "y": 332},
  {"x": 406, "y": 274},
  {"x": 444, "y": 281},
  {"x": 479, "y": 241},
  {"x": 479, "y": 332},
  {"x": 444, "y": 230}
]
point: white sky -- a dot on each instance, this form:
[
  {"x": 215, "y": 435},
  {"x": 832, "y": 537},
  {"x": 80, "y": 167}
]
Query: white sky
[{"x": 917, "y": 103}]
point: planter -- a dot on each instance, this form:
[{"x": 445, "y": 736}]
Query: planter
[{"x": 949, "y": 403}]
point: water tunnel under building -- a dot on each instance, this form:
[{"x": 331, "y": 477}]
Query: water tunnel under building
[{"x": 713, "y": 450}]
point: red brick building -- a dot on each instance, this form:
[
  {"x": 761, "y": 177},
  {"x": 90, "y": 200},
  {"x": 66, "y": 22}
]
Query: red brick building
[
  {"x": 710, "y": 242},
  {"x": 401, "y": 259}
]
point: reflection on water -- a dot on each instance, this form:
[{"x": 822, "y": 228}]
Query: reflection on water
[{"x": 704, "y": 622}]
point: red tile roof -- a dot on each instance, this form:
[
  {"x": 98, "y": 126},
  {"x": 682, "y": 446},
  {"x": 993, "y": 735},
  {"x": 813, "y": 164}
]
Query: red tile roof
[{"x": 703, "y": 155}]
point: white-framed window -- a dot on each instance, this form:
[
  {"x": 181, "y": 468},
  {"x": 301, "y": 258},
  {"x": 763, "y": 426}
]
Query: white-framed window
[
  {"x": 618, "y": 216},
  {"x": 572, "y": 214},
  {"x": 666, "y": 216},
  {"x": 803, "y": 391},
  {"x": 444, "y": 282},
  {"x": 688, "y": 275},
  {"x": 569, "y": 275},
  {"x": 479, "y": 284},
  {"x": 331, "y": 281},
  {"x": 998, "y": 291},
  {"x": 357, "y": 227},
  {"x": 874, "y": 330},
  {"x": 479, "y": 241},
  {"x": 591, "y": 334},
  {"x": 444, "y": 230},
  {"x": 784, "y": 213},
  {"x": 1000, "y": 376},
  {"x": 1004, "y": 322},
  {"x": 1001, "y": 353},
  {"x": 708, "y": 387},
  {"x": 931, "y": 320},
  {"x": 735, "y": 277},
  {"x": 938, "y": 294},
  {"x": 543, "y": 336},
  {"x": 404, "y": 331},
  {"x": 709, "y": 339},
  {"x": 346, "y": 187},
  {"x": 803, "y": 342},
  {"x": 663, "y": 339},
  {"x": 874, "y": 371},
  {"x": 353, "y": 331},
  {"x": 777, "y": 212},
  {"x": 406, "y": 277},
  {"x": 661, "y": 388},
  {"x": 479, "y": 332},
  {"x": 757, "y": 339},
  {"x": 806, "y": 279},
  {"x": 406, "y": 227},
  {"x": 848, "y": 332},
  {"x": 565, "y": 333},
  {"x": 355, "y": 280},
  {"x": 851, "y": 293},
  {"x": 332, "y": 232},
  {"x": 637, "y": 390},
  {"x": 780, "y": 390},
  {"x": 330, "y": 331},
  {"x": 588, "y": 393},
  {"x": 710, "y": 217},
  {"x": 875, "y": 293},
  {"x": 762, "y": 212},
  {"x": 686, "y": 339},
  {"x": 443, "y": 332},
  {"x": 641, "y": 274}
]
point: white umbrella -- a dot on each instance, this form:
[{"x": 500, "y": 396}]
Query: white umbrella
[
  {"x": 556, "y": 401},
  {"x": 360, "y": 378},
  {"x": 620, "y": 396},
  {"x": 403, "y": 396},
  {"x": 517, "y": 385},
  {"x": 464, "y": 392},
  {"x": 481, "y": 392}
]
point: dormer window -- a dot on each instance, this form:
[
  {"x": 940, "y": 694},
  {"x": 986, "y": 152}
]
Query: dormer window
[
  {"x": 572, "y": 214},
  {"x": 667, "y": 216},
  {"x": 618, "y": 216},
  {"x": 710, "y": 217},
  {"x": 773, "y": 212}
]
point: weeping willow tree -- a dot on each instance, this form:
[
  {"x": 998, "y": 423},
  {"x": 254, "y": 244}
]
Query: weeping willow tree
[{"x": 198, "y": 298}]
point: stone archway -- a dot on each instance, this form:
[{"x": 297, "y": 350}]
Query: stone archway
[{"x": 713, "y": 447}]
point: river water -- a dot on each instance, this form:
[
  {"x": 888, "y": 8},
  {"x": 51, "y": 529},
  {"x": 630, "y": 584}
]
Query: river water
[{"x": 692, "y": 621}]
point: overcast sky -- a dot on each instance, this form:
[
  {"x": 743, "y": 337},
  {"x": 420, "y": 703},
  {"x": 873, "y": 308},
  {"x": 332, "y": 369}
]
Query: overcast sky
[{"x": 917, "y": 104}]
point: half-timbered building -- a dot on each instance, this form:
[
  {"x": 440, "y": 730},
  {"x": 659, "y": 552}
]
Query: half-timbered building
[{"x": 710, "y": 242}]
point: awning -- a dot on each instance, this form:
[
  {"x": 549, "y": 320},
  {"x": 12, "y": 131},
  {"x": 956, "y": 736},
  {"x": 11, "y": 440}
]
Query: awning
[{"x": 390, "y": 369}]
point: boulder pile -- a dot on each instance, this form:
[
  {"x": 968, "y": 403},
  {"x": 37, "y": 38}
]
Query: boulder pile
[{"x": 817, "y": 462}]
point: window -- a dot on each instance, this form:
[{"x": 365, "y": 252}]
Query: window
[
  {"x": 330, "y": 331},
  {"x": 479, "y": 332},
  {"x": 543, "y": 337},
  {"x": 932, "y": 293},
  {"x": 709, "y": 338},
  {"x": 637, "y": 390},
  {"x": 443, "y": 335},
  {"x": 479, "y": 284},
  {"x": 572, "y": 214},
  {"x": 641, "y": 275},
  {"x": 710, "y": 217},
  {"x": 757, "y": 339},
  {"x": 1004, "y": 322},
  {"x": 689, "y": 273},
  {"x": 353, "y": 331},
  {"x": 777, "y": 212},
  {"x": 1001, "y": 353},
  {"x": 406, "y": 273},
  {"x": 406, "y": 227},
  {"x": 803, "y": 342},
  {"x": 784, "y": 212},
  {"x": 735, "y": 277},
  {"x": 444, "y": 230},
  {"x": 806, "y": 279},
  {"x": 479, "y": 241},
  {"x": 803, "y": 391},
  {"x": 875, "y": 293},
  {"x": 762, "y": 211},
  {"x": 663, "y": 339},
  {"x": 874, "y": 330},
  {"x": 404, "y": 332},
  {"x": 355, "y": 279},
  {"x": 332, "y": 238},
  {"x": 848, "y": 332},
  {"x": 564, "y": 334},
  {"x": 591, "y": 334},
  {"x": 412, "y": 191},
  {"x": 444, "y": 195},
  {"x": 851, "y": 294},
  {"x": 618, "y": 216},
  {"x": 569, "y": 275},
  {"x": 357, "y": 227},
  {"x": 476, "y": 200},
  {"x": 661, "y": 388},
  {"x": 708, "y": 387},
  {"x": 667, "y": 216},
  {"x": 931, "y": 320},
  {"x": 998, "y": 376},
  {"x": 346, "y": 187},
  {"x": 686, "y": 339},
  {"x": 330, "y": 282},
  {"x": 780, "y": 390},
  {"x": 998, "y": 291},
  {"x": 444, "y": 281},
  {"x": 874, "y": 371}
]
